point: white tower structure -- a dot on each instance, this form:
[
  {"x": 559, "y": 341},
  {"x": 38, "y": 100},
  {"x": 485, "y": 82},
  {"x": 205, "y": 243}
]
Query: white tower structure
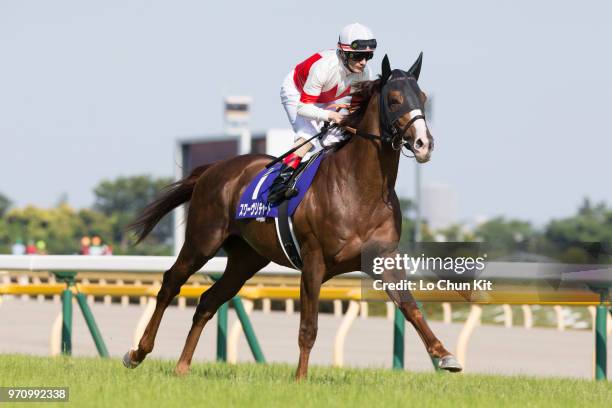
[
  {"x": 237, "y": 120},
  {"x": 439, "y": 205}
]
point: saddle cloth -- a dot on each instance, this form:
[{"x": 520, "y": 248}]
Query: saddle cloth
[{"x": 254, "y": 200}]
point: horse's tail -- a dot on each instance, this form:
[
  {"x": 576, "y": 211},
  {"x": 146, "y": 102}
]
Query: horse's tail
[{"x": 171, "y": 197}]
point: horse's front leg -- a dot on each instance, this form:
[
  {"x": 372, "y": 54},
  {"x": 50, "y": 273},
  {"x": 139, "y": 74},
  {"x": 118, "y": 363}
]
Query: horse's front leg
[
  {"x": 310, "y": 288},
  {"x": 410, "y": 309}
]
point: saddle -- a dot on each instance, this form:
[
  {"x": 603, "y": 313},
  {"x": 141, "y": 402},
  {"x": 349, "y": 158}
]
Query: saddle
[{"x": 254, "y": 202}]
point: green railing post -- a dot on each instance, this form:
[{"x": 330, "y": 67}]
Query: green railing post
[
  {"x": 399, "y": 326},
  {"x": 68, "y": 279},
  {"x": 222, "y": 332},
  {"x": 91, "y": 323},
  {"x": 67, "y": 322},
  {"x": 601, "y": 353},
  {"x": 221, "y": 325},
  {"x": 247, "y": 327}
]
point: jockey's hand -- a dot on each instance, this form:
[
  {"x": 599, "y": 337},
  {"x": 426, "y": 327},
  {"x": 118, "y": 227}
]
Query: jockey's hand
[
  {"x": 338, "y": 106},
  {"x": 335, "y": 117}
]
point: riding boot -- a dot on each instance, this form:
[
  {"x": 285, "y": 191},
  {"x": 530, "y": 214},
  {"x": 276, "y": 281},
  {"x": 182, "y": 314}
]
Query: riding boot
[
  {"x": 280, "y": 189},
  {"x": 280, "y": 185}
]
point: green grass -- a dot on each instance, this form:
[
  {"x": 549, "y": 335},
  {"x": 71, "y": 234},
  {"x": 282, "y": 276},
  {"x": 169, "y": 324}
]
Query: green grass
[{"x": 106, "y": 383}]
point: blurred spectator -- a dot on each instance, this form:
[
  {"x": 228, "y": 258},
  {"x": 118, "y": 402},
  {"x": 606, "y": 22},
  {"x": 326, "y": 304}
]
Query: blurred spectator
[
  {"x": 31, "y": 248},
  {"x": 107, "y": 250},
  {"x": 41, "y": 247},
  {"x": 18, "y": 248},
  {"x": 96, "y": 246},
  {"x": 85, "y": 244}
]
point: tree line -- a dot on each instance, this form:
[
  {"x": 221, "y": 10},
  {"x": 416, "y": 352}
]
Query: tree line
[
  {"x": 584, "y": 237},
  {"x": 117, "y": 202}
]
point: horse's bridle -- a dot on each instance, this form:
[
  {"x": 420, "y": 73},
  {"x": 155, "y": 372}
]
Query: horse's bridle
[
  {"x": 397, "y": 134},
  {"x": 390, "y": 131}
]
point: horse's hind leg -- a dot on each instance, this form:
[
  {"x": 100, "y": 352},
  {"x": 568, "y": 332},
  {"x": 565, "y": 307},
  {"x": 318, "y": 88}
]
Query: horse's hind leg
[
  {"x": 242, "y": 263},
  {"x": 191, "y": 258}
]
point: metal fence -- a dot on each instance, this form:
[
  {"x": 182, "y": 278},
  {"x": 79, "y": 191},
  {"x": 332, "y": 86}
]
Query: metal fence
[{"x": 63, "y": 283}]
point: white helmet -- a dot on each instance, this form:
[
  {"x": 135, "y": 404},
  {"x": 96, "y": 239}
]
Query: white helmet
[{"x": 356, "y": 37}]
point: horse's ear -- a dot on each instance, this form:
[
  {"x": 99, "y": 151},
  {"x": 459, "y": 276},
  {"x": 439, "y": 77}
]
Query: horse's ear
[
  {"x": 415, "y": 69},
  {"x": 386, "y": 70}
]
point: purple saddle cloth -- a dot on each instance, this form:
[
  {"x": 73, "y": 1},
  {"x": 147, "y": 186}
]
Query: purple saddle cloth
[{"x": 254, "y": 201}]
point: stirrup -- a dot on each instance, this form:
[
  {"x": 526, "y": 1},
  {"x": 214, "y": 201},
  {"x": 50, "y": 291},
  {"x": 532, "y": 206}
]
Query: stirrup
[
  {"x": 278, "y": 193},
  {"x": 291, "y": 192}
]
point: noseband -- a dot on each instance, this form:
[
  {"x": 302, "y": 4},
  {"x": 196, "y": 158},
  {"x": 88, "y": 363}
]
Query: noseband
[{"x": 396, "y": 137}]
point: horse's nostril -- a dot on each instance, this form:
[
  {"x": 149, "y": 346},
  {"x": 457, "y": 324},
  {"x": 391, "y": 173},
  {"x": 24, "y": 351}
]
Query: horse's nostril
[{"x": 418, "y": 144}]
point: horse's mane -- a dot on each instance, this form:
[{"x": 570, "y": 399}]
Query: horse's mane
[{"x": 359, "y": 102}]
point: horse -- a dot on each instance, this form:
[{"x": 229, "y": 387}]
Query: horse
[{"x": 351, "y": 207}]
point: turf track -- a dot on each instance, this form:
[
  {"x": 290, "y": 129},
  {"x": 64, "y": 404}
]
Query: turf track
[{"x": 106, "y": 383}]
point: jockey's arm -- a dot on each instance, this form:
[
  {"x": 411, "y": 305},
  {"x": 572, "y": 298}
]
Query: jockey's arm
[
  {"x": 311, "y": 111},
  {"x": 310, "y": 93}
]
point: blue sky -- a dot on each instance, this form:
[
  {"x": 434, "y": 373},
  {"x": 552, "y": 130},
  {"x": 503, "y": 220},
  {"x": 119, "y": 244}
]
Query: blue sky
[{"x": 522, "y": 90}]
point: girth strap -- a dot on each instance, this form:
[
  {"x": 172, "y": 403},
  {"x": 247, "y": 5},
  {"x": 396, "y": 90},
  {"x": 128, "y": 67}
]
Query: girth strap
[{"x": 286, "y": 237}]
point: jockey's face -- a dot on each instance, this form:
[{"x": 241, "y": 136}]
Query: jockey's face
[{"x": 357, "y": 61}]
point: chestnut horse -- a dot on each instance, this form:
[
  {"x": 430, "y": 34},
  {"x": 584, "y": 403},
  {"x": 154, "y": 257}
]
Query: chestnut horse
[{"x": 350, "y": 205}]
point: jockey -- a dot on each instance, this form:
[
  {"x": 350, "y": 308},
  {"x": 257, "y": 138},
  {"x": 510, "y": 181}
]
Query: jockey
[{"x": 314, "y": 88}]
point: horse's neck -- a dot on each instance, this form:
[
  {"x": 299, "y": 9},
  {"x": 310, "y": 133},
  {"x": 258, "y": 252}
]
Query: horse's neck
[{"x": 372, "y": 164}]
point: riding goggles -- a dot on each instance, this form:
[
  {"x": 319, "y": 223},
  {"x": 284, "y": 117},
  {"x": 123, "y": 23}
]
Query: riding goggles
[
  {"x": 358, "y": 56},
  {"x": 363, "y": 45}
]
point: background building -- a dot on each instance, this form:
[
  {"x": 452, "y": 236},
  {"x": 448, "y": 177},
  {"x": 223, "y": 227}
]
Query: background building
[
  {"x": 439, "y": 205},
  {"x": 237, "y": 139}
]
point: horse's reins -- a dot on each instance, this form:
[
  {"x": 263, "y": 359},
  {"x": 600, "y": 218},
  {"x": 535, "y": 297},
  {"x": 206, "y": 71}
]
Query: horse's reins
[
  {"x": 324, "y": 130},
  {"x": 394, "y": 130}
]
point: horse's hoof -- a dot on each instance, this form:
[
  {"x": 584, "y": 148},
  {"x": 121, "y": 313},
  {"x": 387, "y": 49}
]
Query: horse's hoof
[
  {"x": 181, "y": 371},
  {"x": 450, "y": 363},
  {"x": 128, "y": 362}
]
